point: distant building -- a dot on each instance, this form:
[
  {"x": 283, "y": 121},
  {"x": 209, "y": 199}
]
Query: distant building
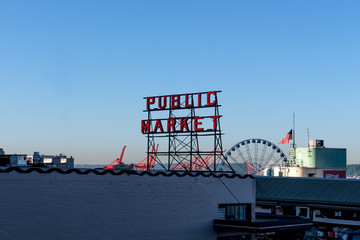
[
  {"x": 315, "y": 161},
  {"x": 8, "y": 160},
  {"x": 52, "y": 160},
  {"x": 23, "y": 160}
]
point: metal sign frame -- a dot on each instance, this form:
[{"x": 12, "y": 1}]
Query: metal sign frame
[{"x": 184, "y": 129}]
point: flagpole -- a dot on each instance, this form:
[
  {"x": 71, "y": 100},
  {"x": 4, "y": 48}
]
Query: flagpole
[
  {"x": 293, "y": 133},
  {"x": 293, "y": 136}
]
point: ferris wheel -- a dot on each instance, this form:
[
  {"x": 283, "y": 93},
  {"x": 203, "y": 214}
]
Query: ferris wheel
[{"x": 255, "y": 156}]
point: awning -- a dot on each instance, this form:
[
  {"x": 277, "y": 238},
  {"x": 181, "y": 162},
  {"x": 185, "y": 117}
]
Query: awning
[{"x": 265, "y": 223}]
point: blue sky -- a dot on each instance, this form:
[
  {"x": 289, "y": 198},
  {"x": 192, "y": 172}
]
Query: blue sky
[{"x": 73, "y": 74}]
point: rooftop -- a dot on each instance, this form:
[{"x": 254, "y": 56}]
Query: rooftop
[{"x": 308, "y": 190}]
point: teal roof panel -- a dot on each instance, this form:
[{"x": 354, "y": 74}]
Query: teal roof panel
[{"x": 308, "y": 190}]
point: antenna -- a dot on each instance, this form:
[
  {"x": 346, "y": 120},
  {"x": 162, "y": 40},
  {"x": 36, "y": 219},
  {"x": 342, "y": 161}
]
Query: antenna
[
  {"x": 309, "y": 151},
  {"x": 308, "y": 137}
]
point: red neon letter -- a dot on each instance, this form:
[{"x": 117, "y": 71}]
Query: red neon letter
[
  {"x": 208, "y": 98},
  {"x": 175, "y": 101},
  {"x": 171, "y": 123},
  {"x": 214, "y": 119},
  {"x": 183, "y": 123},
  {"x": 158, "y": 126},
  {"x": 164, "y": 102},
  {"x": 199, "y": 99},
  {"x": 149, "y": 101},
  {"x": 196, "y": 123},
  {"x": 145, "y": 125},
  {"x": 187, "y": 104}
]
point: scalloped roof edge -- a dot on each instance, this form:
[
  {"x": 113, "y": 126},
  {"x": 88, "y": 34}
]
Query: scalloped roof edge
[{"x": 121, "y": 172}]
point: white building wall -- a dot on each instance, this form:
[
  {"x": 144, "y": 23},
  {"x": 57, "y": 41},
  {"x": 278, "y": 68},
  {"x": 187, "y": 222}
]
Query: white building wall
[
  {"x": 291, "y": 171},
  {"x": 18, "y": 160},
  {"x": 59, "y": 206},
  {"x": 302, "y": 171}
]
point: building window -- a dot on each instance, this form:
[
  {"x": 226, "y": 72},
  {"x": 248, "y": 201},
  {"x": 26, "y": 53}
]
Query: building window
[
  {"x": 234, "y": 212},
  {"x": 303, "y": 212},
  {"x": 221, "y": 213},
  {"x": 337, "y": 213},
  {"x": 47, "y": 160},
  {"x": 317, "y": 213}
]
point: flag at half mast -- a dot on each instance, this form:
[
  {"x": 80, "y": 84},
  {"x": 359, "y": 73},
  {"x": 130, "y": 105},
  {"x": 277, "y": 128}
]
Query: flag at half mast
[{"x": 286, "y": 139}]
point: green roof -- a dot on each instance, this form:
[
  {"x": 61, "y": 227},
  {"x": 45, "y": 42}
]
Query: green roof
[{"x": 308, "y": 190}]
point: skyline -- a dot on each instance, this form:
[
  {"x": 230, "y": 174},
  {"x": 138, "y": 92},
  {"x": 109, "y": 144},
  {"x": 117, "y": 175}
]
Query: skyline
[{"x": 73, "y": 74}]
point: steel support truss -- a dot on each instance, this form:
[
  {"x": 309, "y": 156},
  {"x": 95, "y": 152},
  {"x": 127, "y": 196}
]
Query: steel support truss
[{"x": 183, "y": 151}]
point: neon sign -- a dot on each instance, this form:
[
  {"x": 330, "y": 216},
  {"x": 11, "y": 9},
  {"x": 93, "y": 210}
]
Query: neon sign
[{"x": 180, "y": 102}]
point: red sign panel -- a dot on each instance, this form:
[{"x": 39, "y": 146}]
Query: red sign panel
[
  {"x": 334, "y": 174},
  {"x": 174, "y": 101}
]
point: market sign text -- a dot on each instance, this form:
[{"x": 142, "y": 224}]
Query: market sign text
[{"x": 180, "y": 102}]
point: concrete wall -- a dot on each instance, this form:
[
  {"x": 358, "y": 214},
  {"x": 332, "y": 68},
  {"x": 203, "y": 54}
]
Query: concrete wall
[{"x": 73, "y": 206}]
